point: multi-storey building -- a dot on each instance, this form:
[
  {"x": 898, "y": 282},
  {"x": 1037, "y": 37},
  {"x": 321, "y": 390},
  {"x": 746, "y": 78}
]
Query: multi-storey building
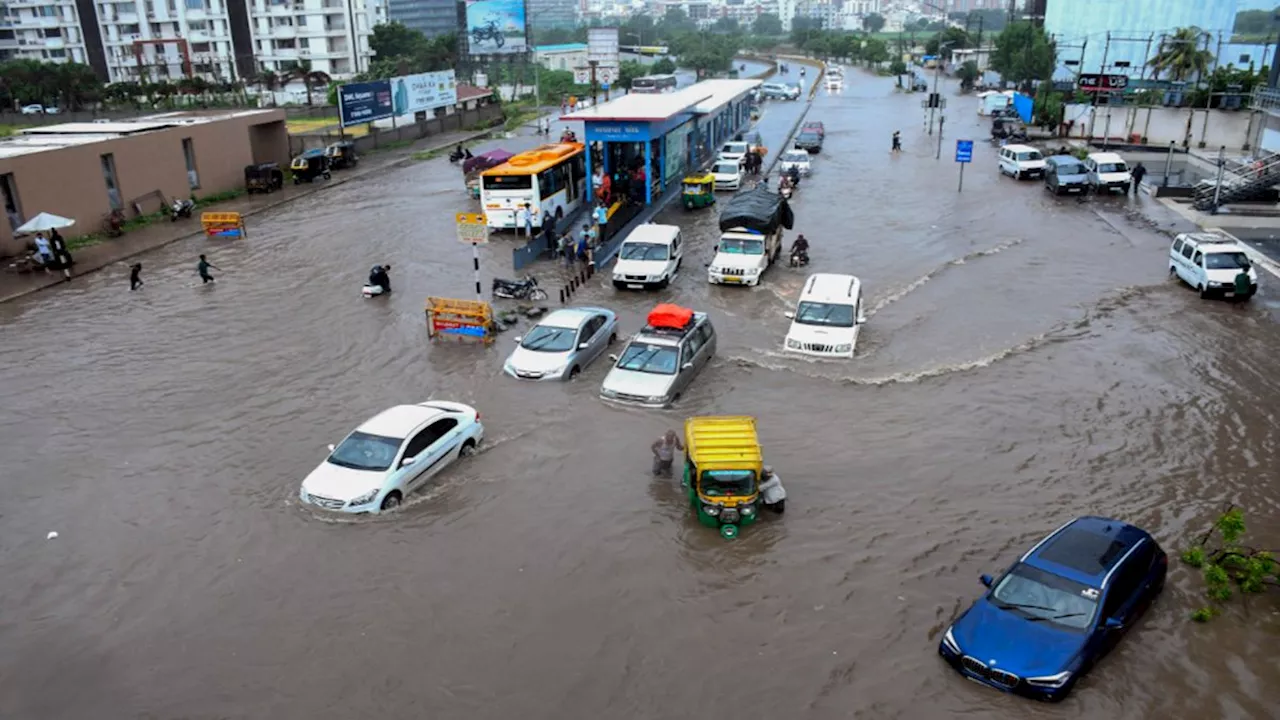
[
  {"x": 38, "y": 30},
  {"x": 430, "y": 17},
  {"x": 551, "y": 13}
]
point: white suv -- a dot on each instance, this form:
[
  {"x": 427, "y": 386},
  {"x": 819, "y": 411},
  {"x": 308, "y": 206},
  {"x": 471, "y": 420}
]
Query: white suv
[
  {"x": 1210, "y": 263},
  {"x": 649, "y": 257},
  {"x": 1021, "y": 161},
  {"x": 826, "y": 320}
]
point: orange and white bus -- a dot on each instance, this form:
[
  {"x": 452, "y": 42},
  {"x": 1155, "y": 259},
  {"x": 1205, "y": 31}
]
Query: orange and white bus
[{"x": 551, "y": 178}]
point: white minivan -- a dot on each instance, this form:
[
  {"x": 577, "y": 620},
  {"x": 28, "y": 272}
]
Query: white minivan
[
  {"x": 1021, "y": 161},
  {"x": 1210, "y": 263},
  {"x": 1107, "y": 172},
  {"x": 649, "y": 257},
  {"x": 825, "y": 323}
]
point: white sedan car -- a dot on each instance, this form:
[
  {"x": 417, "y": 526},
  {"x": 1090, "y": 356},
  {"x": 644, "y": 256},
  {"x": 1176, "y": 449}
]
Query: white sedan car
[
  {"x": 562, "y": 344},
  {"x": 727, "y": 173},
  {"x": 796, "y": 158},
  {"x": 391, "y": 455}
]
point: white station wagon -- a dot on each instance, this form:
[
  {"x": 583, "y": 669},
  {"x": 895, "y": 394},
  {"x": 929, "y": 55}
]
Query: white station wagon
[{"x": 391, "y": 455}]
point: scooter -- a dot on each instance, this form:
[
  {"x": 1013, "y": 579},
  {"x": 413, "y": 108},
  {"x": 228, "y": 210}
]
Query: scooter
[
  {"x": 458, "y": 155},
  {"x": 525, "y": 288},
  {"x": 799, "y": 258},
  {"x": 181, "y": 209},
  {"x": 785, "y": 190},
  {"x": 372, "y": 290}
]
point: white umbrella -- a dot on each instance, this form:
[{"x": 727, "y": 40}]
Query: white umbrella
[{"x": 44, "y": 222}]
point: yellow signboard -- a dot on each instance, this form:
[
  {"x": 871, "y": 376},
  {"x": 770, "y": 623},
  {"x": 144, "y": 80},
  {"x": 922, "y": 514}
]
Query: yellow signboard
[{"x": 473, "y": 228}]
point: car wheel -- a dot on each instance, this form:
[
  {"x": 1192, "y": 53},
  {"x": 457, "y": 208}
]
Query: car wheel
[
  {"x": 663, "y": 283},
  {"x": 468, "y": 448},
  {"x": 391, "y": 501},
  {"x": 1204, "y": 292},
  {"x": 573, "y": 372},
  {"x": 1173, "y": 271},
  {"x": 613, "y": 338}
]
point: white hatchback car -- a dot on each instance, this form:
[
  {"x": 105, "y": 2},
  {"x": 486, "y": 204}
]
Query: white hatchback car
[
  {"x": 1210, "y": 263},
  {"x": 826, "y": 320},
  {"x": 736, "y": 150},
  {"x": 727, "y": 173},
  {"x": 649, "y": 257},
  {"x": 391, "y": 455},
  {"x": 799, "y": 159}
]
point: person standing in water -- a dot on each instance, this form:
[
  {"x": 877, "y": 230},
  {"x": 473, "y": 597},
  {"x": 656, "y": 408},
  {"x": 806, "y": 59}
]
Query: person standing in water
[
  {"x": 897, "y": 141},
  {"x": 135, "y": 279},
  {"x": 664, "y": 452},
  {"x": 203, "y": 268}
]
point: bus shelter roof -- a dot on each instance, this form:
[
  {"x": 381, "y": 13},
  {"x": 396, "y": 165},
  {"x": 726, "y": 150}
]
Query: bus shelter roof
[
  {"x": 722, "y": 91},
  {"x": 644, "y": 107}
]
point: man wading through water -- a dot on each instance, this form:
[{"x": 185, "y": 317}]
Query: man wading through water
[{"x": 664, "y": 452}]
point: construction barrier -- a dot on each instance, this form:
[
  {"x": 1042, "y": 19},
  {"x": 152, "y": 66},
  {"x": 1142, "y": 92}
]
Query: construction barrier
[
  {"x": 463, "y": 319},
  {"x": 223, "y": 224}
]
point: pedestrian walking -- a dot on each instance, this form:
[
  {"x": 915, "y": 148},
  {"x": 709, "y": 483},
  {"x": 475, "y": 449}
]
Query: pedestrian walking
[
  {"x": 60, "y": 253},
  {"x": 529, "y": 217},
  {"x": 203, "y": 266},
  {"x": 664, "y": 452},
  {"x": 584, "y": 242},
  {"x": 44, "y": 251},
  {"x": 897, "y": 141},
  {"x": 602, "y": 220},
  {"x": 135, "y": 276},
  {"x": 1139, "y": 172},
  {"x": 563, "y": 246}
]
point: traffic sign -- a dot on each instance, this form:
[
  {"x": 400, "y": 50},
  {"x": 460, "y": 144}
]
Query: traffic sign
[
  {"x": 473, "y": 228},
  {"x": 1098, "y": 82},
  {"x": 964, "y": 151}
]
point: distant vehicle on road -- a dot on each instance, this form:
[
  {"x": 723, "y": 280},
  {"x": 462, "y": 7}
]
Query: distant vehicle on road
[
  {"x": 1059, "y": 609},
  {"x": 562, "y": 344},
  {"x": 736, "y": 151},
  {"x": 809, "y": 141},
  {"x": 798, "y": 159},
  {"x": 649, "y": 257},
  {"x": 728, "y": 173},
  {"x": 541, "y": 177},
  {"x": 1021, "y": 161},
  {"x": 814, "y": 126},
  {"x": 654, "y": 84},
  {"x": 1107, "y": 172},
  {"x": 778, "y": 91},
  {"x": 38, "y": 109},
  {"x": 1065, "y": 174}
]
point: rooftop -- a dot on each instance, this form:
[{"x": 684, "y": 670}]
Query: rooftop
[
  {"x": 722, "y": 91},
  {"x": 471, "y": 92},
  {"x": 644, "y": 107},
  {"x": 398, "y": 421},
  {"x": 64, "y": 135}
]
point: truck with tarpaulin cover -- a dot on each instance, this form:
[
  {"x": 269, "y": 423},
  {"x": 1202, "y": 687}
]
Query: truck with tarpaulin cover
[{"x": 751, "y": 226}]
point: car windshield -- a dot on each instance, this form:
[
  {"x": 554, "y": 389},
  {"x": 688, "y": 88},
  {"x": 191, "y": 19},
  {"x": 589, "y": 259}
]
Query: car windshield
[
  {"x": 1064, "y": 170},
  {"x": 647, "y": 358},
  {"x": 723, "y": 483},
  {"x": 1030, "y": 155},
  {"x": 727, "y": 168},
  {"x": 809, "y": 137},
  {"x": 736, "y": 246},
  {"x": 642, "y": 251},
  {"x": 544, "y": 338},
  {"x": 362, "y": 451},
  {"x": 1112, "y": 167},
  {"x": 1226, "y": 261},
  {"x": 796, "y": 157},
  {"x": 734, "y": 149},
  {"x": 1042, "y": 597},
  {"x": 813, "y": 313}
]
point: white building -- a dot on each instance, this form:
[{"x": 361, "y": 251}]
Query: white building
[{"x": 45, "y": 31}]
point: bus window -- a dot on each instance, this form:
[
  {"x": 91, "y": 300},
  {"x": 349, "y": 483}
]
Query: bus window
[{"x": 507, "y": 182}]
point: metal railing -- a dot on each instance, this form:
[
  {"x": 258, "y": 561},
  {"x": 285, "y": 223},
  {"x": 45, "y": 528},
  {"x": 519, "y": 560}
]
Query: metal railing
[
  {"x": 1245, "y": 184},
  {"x": 1265, "y": 98}
]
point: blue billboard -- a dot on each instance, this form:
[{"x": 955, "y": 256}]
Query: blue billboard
[
  {"x": 364, "y": 102},
  {"x": 496, "y": 27}
]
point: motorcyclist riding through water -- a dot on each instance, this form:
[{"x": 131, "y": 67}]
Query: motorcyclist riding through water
[
  {"x": 799, "y": 251},
  {"x": 793, "y": 172},
  {"x": 378, "y": 277}
]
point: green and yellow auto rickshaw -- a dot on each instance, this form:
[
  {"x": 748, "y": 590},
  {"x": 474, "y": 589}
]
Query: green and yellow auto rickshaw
[
  {"x": 722, "y": 468},
  {"x": 699, "y": 191}
]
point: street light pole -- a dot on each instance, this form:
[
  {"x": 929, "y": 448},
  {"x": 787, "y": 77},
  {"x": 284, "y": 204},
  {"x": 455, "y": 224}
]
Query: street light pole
[{"x": 936, "y": 75}]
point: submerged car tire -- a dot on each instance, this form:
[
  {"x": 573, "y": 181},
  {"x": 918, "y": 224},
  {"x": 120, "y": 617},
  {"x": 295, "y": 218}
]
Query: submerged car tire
[
  {"x": 1204, "y": 292},
  {"x": 391, "y": 501},
  {"x": 613, "y": 338},
  {"x": 468, "y": 448},
  {"x": 663, "y": 283},
  {"x": 537, "y": 294},
  {"x": 573, "y": 372}
]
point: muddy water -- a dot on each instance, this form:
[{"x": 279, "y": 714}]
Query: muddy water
[{"x": 1026, "y": 361}]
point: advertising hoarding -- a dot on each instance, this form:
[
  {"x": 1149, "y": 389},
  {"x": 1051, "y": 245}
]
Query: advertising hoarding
[
  {"x": 602, "y": 45},
  {"x": 364, "y": 102},
  {"x": 496, "y": 27},
  {"x": 425, "y": 91}
]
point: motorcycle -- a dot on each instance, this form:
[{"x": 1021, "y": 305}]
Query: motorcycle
[
  {"x": 458, "y": 155},
  {"x": 181, "y": 209},
  {"x": 799, "y": 258},
  {"x": 489, "y": 31},
  {"x": 525, "y": 288}
]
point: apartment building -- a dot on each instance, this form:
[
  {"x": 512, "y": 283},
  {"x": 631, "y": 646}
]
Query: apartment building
[
  {"x": 430, "y": 17},
  {"x": 133, "y": 40}
]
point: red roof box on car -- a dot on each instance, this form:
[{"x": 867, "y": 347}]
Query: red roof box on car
[{"x": 671, "y": 317}]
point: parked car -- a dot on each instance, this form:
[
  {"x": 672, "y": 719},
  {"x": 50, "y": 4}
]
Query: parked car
[
  {"x": 1065, "y": 174},
  {"x": 649, "y": 257},
  {"x": 779, "y": 91},
  {"x": 1021, "y": 161},
  {"x": 562, "y": 344},
  {"x": 1210, "y": 263},
  {"x": 1107, "y": 172},
  {"x": 1060, "y": 608},
  {"x": 814, "y": 126},
  {"x": 736, "y": 150},
  {"x": 32, "y": 109},
  {"x": 809, "y": 141},
  {"x": 660, "y": 361},
  {"x": 727, "y": 173},
  {"x": 391, "y": 455},
  {"x": 826, "y": 319},
  {"x": 798, "y": 159}
]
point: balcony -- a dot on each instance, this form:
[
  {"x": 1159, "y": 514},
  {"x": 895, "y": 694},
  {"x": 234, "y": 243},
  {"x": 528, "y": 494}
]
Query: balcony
[
  {"x": 282, "y": 32},
  {"x": 1266, "y": 98}
]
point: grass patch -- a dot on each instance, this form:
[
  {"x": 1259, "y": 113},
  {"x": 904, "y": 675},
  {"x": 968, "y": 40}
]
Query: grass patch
[
  {"x": 299, "y": 126},
  {"x": 7, "y": 130},
  {"x": 423, "y": 155},
  {"x": 395, "y": 145},
  {"x": 219, "y": 197}
]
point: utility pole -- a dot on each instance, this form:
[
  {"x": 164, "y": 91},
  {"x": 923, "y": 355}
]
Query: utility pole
[
  {"x": 981, "y": 18},
  {"x": 593, "y": 64},
  {"x": 1093, "y": 114},
  {"x": 1208, "y": 103}
]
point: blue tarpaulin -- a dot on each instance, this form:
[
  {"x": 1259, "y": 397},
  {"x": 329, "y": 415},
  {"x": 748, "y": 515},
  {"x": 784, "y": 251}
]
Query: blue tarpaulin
[{"x": 1022, "y": 104}]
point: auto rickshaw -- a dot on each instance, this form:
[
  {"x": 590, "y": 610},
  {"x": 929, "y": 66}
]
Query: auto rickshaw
[
  {"x": 310, "y": 165},
  {"x": 341, "y": 155},
  {"x": 722, "y": 470},
  {"x": 263, "y": 177},
  {"x": 699, "y": 191}
]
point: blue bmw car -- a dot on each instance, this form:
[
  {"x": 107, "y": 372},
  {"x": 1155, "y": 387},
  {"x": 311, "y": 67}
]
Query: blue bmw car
[{"x": 1065, "y": 603}]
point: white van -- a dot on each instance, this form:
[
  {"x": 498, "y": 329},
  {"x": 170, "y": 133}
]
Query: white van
[
  {"x": 649, "y": 257},
  {"x": 1021, "y": 161},
  {"x": 826, "y": 320},
  {"x": 1210, "y": 263},
  {"x": 1108, "y": 171}
]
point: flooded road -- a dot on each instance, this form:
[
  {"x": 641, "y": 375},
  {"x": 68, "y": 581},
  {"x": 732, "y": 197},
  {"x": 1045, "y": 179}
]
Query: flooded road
[{"x": 1026, "y": 360}]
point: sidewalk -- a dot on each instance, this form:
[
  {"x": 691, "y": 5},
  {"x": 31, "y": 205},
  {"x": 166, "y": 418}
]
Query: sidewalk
[{"x": 161, "y": 233}]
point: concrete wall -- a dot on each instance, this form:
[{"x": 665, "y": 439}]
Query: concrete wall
[
  {"x": 1233, "y": 129},
  {"x": 460, "y": 120},
  {"x": 69, "y": 181}
]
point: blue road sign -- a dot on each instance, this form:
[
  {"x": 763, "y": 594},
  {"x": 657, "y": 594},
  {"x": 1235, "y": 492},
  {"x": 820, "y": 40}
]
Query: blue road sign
[{"x": 964, "y": 151}]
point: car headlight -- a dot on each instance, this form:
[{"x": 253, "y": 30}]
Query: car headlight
[
  {"x": 752, "y": 272},
  {"x": 366, "y": 498},
  {"x": 714, "y": 269},
  {"x": 606, "y": 392},
  {"x": 844, "y": 348},
  {"x": 712, "y": 510},
  {"x": 950, "y": 641},
  {"x": 554, "y": 371},
  {"x": 747, "y": 510},
  {"x": 793, "y": 344},
  {"x": 618, "y": 276},
  {"x": 1051, "y": 681},
  {"x": 657, "y": 398}
]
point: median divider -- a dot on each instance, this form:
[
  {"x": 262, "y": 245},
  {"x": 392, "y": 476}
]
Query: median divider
[{"x": 576, "y": 281}]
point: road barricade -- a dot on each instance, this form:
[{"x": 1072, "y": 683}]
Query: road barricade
[
  {"x": 462, "y": 319},
  {"x": 223, "y": 224}
]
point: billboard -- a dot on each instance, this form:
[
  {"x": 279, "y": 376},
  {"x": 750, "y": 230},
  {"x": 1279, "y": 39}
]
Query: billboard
[
  {"x": 602, "y": 45},
  {"x": 364, "y": 102},
  {"x": 426, "y": 91},
  {"x": 496, "y": 27}
]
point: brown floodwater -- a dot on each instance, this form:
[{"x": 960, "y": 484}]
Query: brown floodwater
[{"x": 1026, "y": 360}]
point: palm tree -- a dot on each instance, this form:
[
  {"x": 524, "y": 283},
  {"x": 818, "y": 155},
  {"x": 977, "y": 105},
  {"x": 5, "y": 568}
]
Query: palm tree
[
  {"x": 269, "y": 82},
  {"x": 1180, "y": 55},
  {"x": 311, "y": 79}
]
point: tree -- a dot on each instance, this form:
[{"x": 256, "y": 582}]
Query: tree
[
  {"x": 311, "y": 79},
  {"x": 953, "y": 38},
  {"x": 268, "y": 82},
  {"x": 1180, "y": 56},
  {"x": 394, "y": 39},
  {"x": 629, "y": 70},
  {"x": 897, "y": 67},
  {"x": 767, "y": 24},
  {"x": 875, "y": 51},
  {"x": 1023, "y": 53},
  {"x": 968, "y": 74},
  {"x": 1230, "y": 563},
  {"x": 725, "y": 25},
  {"x": 873, "y": 22},
  {"x": 75, "y": 84},
  {"x": 664, "y": 66}
]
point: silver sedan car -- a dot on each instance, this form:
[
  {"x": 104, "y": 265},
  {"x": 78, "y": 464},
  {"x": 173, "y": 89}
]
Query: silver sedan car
[{"x": 562, "y": 344}]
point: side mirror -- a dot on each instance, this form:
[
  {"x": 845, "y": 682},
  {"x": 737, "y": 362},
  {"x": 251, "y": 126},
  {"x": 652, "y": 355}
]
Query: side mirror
[
  {"x": 1113, "y": 624},
  {"x": 789, "y": 315},
  {"x": 583, "y": 346},
  {"x": 332, "y": 447},
  {"x": 687, "y": 366},
  {"x": 985, "y": 579},
  {"x": 408, "y": 461},
  {"x": 518, "y": 338},
  {"x": 715, "y": 248},
  {"x": 613, "y": 357}
]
